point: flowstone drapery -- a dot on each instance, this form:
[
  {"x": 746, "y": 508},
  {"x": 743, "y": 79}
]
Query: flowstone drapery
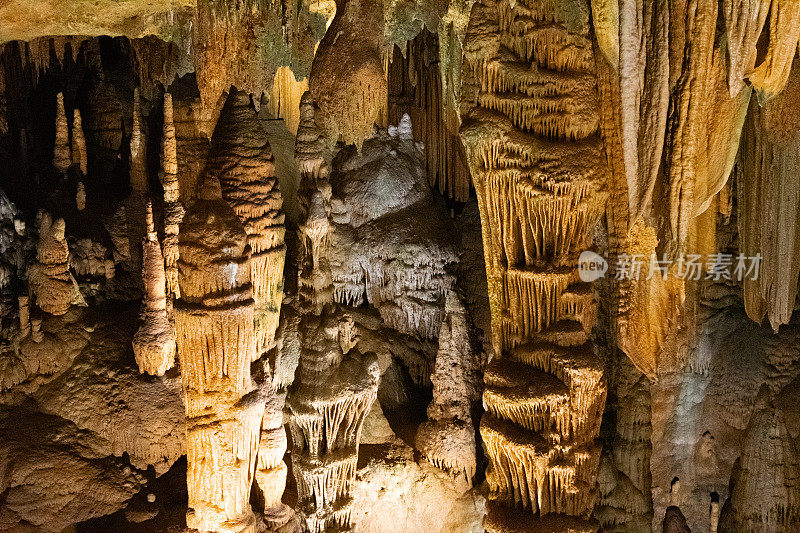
[{"x": 529, "y": 124}]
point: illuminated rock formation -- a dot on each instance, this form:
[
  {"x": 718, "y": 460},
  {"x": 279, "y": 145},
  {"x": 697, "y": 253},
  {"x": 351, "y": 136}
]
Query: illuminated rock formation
[
  {"x": 62, "y": 157},
  {"x": 134, "y": 205},
  {"x": 154, "y": 342},
  {"x": 49, "y": 276},
  {"x": 241, "y": 159},
  {"x": 24, "y": 315},
  {"x": 529, "y": 124},
  {"x": 447, "y": 439},
  {"x": 415, "y": 88},
  {"x": 310, "y": 148},
  {"x": 271, "y": 470},
  {"x": 367, "y": 247},
  {"x": 334, "y": 390},
  {"x": 173, "y": 210},
  {"x": 770, "y": 77},
  {"x": 767, "y": 191},
  {"x": 766, "y": 483},
  {"x": 347, "y": 79},
  {"x": 215, "y": 340},
  {"x": 78, "y": 151}
]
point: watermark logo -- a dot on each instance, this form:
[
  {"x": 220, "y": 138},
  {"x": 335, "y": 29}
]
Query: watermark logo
[
  {"x": 591, "y": 266},
  {"x": 694, "y": 267}
]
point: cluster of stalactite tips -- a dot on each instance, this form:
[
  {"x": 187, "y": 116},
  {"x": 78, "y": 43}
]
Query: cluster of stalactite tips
[{"x": 365, "y": 224}]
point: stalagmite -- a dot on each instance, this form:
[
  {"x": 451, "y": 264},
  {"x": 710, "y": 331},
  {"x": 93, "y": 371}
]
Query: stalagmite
[
  {"x": 215, "y": 340},
  {"x": 770, "y": 77},
  {"x": 530, "y": 130},
  {"x": 271, "y": 470},
  {"x": 242, "y": 160},
  {"x": 310, "y": 148},
  {"x": 154, "y": 342},
  {"x": 769, "y": 198},
  {"x": 334, "y": 390},
  {"x": 49, "y": 276},
  {"x": 62, "y": 157},
  {"x": 674, "y": 521},
  {"x": 24, "y": 316},
  {"x": 80, "y": 197},
  {"x": 136, "y": 200},
  {"x": 78, "y": 152},
  {"x": 347, "y": 79},
  {"x": 173, "y": 210},
  {"x": 766, "y": 487},
  {"x": 37, "y": 335},
  {"x": 447, "y": 439}
]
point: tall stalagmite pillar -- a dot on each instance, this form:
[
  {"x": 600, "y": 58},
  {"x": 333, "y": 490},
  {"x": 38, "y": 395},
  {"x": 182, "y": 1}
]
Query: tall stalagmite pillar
[
  {"x": 154, "y": 342},
  {"x": 62, "y": 156},
  {"x": 530, "y": 129},
  {"x": 216, "y": 341},
  {"x": 336, "y": 384},
  {"x": 241, "y": 158},
  {"x": 173, "y": 210}
]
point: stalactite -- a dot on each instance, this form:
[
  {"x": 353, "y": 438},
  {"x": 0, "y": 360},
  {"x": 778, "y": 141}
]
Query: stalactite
[
  {"x": 286, "y": 94},
  {"x": 215, "y": 341},
  {"x": 62, "y": 158},
  {"x": 447, "y": 439},
  {"x": 770, "y": 77},
  {"x": 173, "y": 210},
  {"x": 744, "y": 20},
  {"x": 769, "y": 198},
  {"x": 690, "y": 97},
  {"x": 347, "y": 79},
  {"x": 78, "y": 143},
  {"x": 530, "y": 130},
  {"x": 49, "y": 275},
  {"x": 415, "y": 88},
  {"x": 242, "y": 160},
  {"x": 605, "y": 15},
  {"x": 134, "y": 205},
  {"x": 154, "y": 342},
  {"x": 644, "y": 95}
]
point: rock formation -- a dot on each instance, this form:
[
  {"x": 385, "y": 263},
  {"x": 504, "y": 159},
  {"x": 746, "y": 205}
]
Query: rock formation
[
  {"x": 329, "y": 399},
  {"x": 173, "y": 209},
  {"x": 766, "y": 484},
  {"x": 49, "y": 276},
  {"x": 241, "y": 159},
  {"x": 347, "y": 79},
  {"x": 154, "y": 342},
  {"x": 447, "y": 439},
  {"x": 216, "y": 344},
  {"x": 530, "y": 131},
  {"x": 78, "y": 150},
  {"x": 62, "y": 158}
]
